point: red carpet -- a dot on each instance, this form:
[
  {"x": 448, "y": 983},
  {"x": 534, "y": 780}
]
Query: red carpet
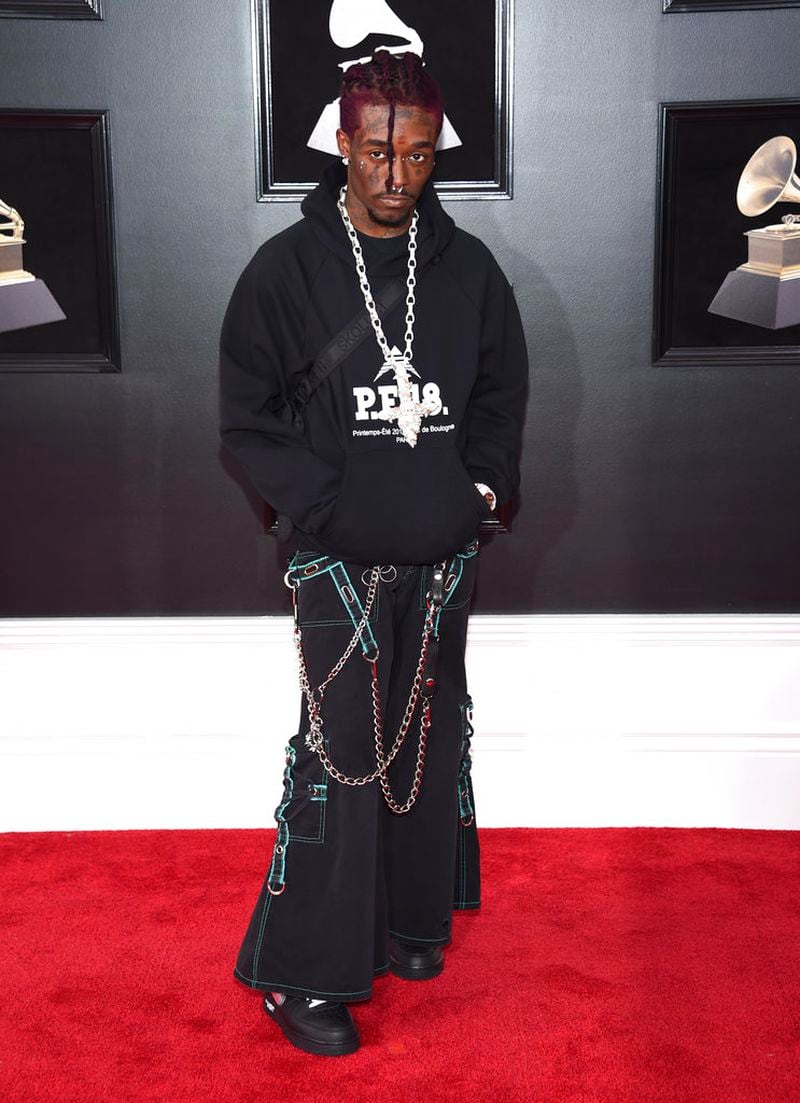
[{"x": 614, "y": 965}]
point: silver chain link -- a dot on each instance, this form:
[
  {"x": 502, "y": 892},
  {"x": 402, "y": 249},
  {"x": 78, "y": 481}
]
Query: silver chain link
[{"x": 366, "y": 290}]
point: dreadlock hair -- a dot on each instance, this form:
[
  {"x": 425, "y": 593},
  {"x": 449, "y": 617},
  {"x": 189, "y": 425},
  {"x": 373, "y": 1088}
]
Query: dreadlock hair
[{"x": 388, "y": 79}]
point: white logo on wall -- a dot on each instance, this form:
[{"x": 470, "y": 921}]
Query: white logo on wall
[{"x": 350, "y": 22}]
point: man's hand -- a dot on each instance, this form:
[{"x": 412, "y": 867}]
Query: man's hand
[{"x": 488, "y": 494}]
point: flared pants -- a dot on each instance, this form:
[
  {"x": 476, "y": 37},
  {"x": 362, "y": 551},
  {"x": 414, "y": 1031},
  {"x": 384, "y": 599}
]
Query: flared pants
[{"x": 346, "y": 872}]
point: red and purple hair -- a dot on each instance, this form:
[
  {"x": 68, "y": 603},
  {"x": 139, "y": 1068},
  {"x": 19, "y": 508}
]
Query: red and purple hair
[{"x": 388, "y": 79}]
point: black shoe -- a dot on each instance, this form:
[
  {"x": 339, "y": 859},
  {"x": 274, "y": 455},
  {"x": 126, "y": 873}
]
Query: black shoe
[
  {"x": 316, "y": 1026},
  {"x": 414, "y": 960}
]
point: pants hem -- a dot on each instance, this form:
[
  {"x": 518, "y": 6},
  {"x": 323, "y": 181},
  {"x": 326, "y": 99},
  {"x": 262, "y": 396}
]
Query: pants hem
[
  {"x": 304, "y": 993},
  {"x": 413, "y": 938},
  {"x": 466, "y": 905}
]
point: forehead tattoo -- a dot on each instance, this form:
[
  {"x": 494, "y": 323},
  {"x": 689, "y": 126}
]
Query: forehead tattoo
[{"x": 375, "y": 124}]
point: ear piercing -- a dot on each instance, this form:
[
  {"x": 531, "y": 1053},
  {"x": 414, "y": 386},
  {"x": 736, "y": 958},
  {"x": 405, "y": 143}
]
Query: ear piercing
[{"x": 345, "y": 160}]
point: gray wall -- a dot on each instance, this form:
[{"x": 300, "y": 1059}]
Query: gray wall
[{"x": 644, "y": 488}]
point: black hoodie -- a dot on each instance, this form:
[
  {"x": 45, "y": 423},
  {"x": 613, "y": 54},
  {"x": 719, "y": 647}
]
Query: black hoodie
[{"x": 348, "y": 482}]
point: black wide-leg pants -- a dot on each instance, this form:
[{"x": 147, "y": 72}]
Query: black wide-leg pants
[{"x": 346, "y": 872}]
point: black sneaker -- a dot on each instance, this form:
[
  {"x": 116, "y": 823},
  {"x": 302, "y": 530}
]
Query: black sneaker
[
  {"x": 414, "y": 960},
  {"x": 315, "y": 1026}
]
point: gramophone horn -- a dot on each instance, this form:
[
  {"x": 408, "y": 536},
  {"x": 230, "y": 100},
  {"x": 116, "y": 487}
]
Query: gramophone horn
[{"x": 769, "y": 177}]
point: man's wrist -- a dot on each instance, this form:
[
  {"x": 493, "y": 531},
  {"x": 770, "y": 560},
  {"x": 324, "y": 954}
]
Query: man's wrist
[{"x": 488, "y": 494}]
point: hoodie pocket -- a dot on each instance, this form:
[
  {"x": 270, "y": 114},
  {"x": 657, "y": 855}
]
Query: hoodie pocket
[{"x": 404, "y": 506}]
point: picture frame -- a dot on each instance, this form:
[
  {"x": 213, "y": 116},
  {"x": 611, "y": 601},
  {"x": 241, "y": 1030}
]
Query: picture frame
[
  {"x": 688, "y": 6},
  {"x": 703, "y": 149},
  {"x": 289, "y": 96},
  {"x": 55, "y": 170},
  {"x": 51, "y": 9}
]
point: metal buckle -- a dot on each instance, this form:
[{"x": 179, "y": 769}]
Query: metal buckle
[
  {"x": 435, "y": 595},
  {"x": 387, "y": 573}
]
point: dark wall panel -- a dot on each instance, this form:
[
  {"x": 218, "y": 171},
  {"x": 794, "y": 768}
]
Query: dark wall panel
[{"x": 645, "y": 489}]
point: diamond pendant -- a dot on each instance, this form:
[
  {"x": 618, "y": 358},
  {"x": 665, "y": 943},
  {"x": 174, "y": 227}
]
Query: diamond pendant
[{"x": 409, "y": 413}]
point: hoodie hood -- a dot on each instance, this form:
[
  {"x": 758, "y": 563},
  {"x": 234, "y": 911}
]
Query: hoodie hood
[{"x": 319, "y": 208}]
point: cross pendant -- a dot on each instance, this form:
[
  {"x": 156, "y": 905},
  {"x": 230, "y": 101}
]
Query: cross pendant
[{"x": 408, "y": 413}]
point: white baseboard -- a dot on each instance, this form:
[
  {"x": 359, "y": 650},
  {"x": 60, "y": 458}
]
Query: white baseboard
[{"x": 585, "y": 721}]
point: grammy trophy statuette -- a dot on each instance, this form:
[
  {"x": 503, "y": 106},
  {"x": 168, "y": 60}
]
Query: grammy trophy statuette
[
  {"x": 24, "y": 300},
  {"x": 765, "y": 291}
]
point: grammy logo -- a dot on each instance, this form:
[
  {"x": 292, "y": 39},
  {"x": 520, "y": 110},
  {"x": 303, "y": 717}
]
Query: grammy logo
[
  {"x": 350, "y": 23},
  {"x": 765, "y": 290}
]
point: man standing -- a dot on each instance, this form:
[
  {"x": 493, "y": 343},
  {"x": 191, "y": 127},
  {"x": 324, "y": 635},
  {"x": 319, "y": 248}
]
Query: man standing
[{"x": 373, "y": 378}]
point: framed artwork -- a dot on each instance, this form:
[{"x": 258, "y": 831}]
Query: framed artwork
[
  {"x": 51, "y": 9},
  {"x": 671, "y": 6},
  {"x": 704, "y": 148},
  {"x": 55, "y": 171},
  {"x": 298, "y": 60}
]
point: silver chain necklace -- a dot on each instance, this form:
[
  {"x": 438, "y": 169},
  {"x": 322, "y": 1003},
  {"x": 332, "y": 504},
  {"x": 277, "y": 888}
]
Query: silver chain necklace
[{"x": 410, "y": 411}]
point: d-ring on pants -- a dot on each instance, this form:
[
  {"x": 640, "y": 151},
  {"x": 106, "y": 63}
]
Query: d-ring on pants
[{"x": 346, "y": 871}]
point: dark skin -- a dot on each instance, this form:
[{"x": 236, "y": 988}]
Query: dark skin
[{"x": 372, "y": 208}]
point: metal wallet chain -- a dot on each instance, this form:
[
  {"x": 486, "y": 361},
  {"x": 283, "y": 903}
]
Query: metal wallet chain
[{"x": 315, "y": 739}]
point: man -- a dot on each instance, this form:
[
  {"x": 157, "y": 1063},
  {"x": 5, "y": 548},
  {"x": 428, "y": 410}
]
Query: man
[{"x": 383, "y": 436}]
